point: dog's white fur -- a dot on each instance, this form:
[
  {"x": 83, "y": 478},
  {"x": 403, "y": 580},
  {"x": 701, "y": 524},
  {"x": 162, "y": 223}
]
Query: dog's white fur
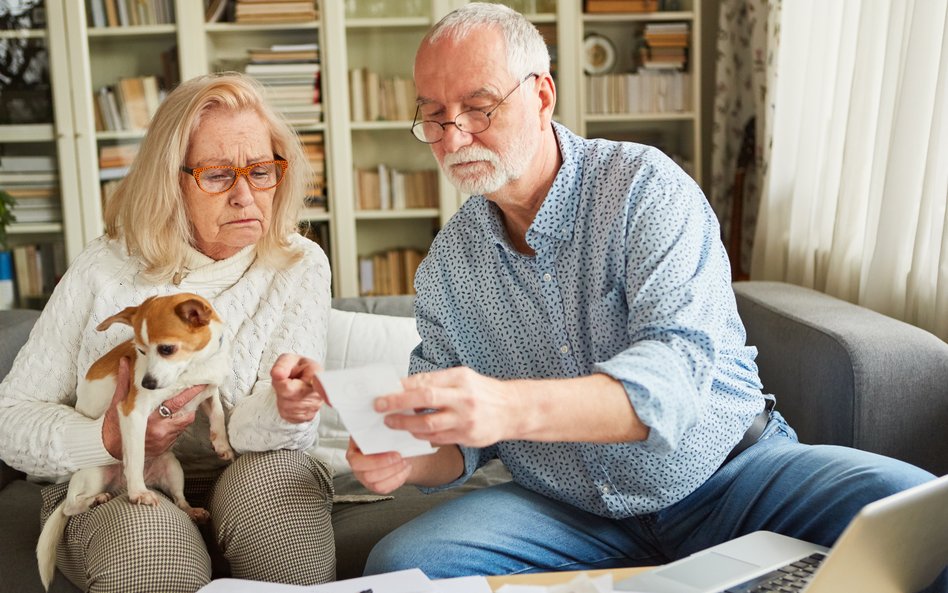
[{"x": 187, "y": 326}]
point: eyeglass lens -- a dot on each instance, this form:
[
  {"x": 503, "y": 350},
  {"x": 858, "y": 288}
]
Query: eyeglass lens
[
  {"x": 221, "y": 179},
  {"x": 472, "y": 122}
]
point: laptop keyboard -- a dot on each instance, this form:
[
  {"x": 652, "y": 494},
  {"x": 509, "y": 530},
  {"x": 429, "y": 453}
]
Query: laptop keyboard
[{"x": 793, "y": 577}]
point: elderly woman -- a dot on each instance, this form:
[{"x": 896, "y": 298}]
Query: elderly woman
[{"x": 210, "y": 206}]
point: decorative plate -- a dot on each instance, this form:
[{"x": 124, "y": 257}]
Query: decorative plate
[{"x": 599, "y": 54}]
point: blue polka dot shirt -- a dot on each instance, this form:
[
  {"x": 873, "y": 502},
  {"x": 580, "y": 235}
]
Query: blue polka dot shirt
[{"x": 629, "y": 279}]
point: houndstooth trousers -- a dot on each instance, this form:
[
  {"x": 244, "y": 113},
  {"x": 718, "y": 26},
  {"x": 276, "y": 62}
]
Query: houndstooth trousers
[{"x": 270, "y": 521}]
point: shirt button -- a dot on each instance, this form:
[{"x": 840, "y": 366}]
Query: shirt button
[
  {"x": 606, "y": 489},
  {"x": 547, "y": 277},
  {"x": 564, "y": 348}
]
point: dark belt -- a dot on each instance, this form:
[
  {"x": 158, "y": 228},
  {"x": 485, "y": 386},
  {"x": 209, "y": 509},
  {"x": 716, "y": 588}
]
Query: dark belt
[{"x": 753, "y": 432}]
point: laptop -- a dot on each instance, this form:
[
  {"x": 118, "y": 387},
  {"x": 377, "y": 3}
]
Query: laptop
[{"x": 895, "y": 545}]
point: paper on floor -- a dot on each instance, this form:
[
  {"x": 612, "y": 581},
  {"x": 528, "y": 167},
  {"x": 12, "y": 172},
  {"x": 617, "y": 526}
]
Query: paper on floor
[{"x": 352, "y": 391}]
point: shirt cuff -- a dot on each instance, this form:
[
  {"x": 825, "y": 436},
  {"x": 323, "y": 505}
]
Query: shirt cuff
[{"x": 83, "y": 441}]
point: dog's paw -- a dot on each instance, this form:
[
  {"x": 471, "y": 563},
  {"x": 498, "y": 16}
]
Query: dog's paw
[
  {"x": 223, "y": 449},
  {"x": 145, "y": 497},
  {"x": 198, "y": 515},
  {"x": 102, "y": 498}
]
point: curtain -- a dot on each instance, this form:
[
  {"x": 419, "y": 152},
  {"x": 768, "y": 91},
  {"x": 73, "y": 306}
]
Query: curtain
[
  {"x": 855, "y": 192},
  {"x": 740, "y": 82}
]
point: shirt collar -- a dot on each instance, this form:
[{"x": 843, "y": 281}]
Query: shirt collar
[{"x": 556, "y": 217}]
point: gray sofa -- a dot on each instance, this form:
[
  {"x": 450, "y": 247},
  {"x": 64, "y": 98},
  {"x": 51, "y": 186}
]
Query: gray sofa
[{"x": 842, "y": 374}]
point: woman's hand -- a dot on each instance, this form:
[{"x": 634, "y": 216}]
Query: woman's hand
[
  {"x": 161, "y": 432},
  {"x": 299, "y": 393},
  {"x": 381, "y": 473}
]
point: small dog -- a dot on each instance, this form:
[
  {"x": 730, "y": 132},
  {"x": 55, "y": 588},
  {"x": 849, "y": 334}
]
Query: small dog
[{"x": 178, "y": 343}]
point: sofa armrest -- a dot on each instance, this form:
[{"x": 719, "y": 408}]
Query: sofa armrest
[
  {"x": 15, "y": 326},
  {"x": 843, "y": 374}
]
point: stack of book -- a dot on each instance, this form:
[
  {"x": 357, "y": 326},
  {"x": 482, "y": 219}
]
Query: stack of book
[
  {"x": 385, "y": 188},
  {"x": 129, "y": 104},
  {"x": 290, "y": 74},
  {"x": 647, "y": 91},
  {"x": 114, "y": 161},
  {"x": 316, "y": 156},
  {"x": 275, "y": 11},
  {"x": 389, "y": 272},
  {"x": 665, "y": 47},
  {"x": 32, "y": 181},
  {"x": 134, "y": 13},
  {"x": 599, "y": 6},
  {"x": 373, "y": 97},
  {"x": 37, "y": 268}
]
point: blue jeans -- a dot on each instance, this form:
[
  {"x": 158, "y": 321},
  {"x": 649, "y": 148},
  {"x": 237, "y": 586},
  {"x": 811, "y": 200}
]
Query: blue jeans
[{"x": 808, "y": 492}]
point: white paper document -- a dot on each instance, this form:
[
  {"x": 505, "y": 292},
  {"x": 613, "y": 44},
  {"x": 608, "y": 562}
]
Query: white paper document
[
  {"x": 402, "y": 581},
  {"x": 352, "y": 391},
  {"x": 462, "y": 585},
  {"x": 580, "y": 584}
]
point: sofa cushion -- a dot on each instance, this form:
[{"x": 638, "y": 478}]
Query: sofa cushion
[{"x": 359, "y": 339}]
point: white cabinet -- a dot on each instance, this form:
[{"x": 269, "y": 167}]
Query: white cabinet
[{"x": 367, "y": 41}]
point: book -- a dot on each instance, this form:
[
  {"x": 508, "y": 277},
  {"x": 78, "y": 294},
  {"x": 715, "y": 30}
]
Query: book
[
  {"x": 599, "y": 6},
  {"x": 13, "y": 163},
  {"x": 214, "y": 10}
]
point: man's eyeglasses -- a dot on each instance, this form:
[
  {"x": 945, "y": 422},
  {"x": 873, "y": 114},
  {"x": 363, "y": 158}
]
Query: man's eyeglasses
[
  {"x": 473, "y": 121},
  {"x": 218, "y": 179}
]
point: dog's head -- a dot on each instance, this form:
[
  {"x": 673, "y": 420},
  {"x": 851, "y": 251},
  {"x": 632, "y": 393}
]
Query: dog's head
[{"x": 171, "y": 332}]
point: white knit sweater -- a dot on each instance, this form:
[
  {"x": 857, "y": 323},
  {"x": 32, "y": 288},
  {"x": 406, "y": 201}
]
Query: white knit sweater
[{"x": 266, "y": 313}]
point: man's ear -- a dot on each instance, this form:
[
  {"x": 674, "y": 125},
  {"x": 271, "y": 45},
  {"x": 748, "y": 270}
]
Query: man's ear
[
  {"x": 125, "y": 316},
  {"x": 193, "y": 312}
]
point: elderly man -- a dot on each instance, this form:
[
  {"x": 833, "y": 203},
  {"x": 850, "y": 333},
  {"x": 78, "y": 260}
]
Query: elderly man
[{"x": 578, "y": 323}]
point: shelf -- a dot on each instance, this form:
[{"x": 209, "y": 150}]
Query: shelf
[
  {"x": 120, "y": 135},
  {"x": 637, "y": 117},
  {"x": 243, "y": 28},
  {"x": 27, "y": 133},
  {"x": 380, "y": 125},
  {"x": 321, "y": 127},
  {"x": 23, "y": 34},
  {"x": 34, "y": 228},
  {"x": 314, "y": 215},
  {"x": 542, "y": 18},
  {"x": 620, "y": 17},
  {"x": 397, "y": 214},
  {"x": 410, "y": 22},
  {"x": 131, "y": 31}
]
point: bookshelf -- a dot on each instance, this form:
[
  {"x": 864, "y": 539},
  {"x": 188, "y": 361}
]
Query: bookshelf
[
  {"x": 374, "y": 38},
  {"x": 37, "y": 157}
]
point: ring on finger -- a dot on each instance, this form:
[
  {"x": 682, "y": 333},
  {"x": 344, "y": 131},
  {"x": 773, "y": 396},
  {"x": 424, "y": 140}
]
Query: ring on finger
[{"x": 164, "y": 411}]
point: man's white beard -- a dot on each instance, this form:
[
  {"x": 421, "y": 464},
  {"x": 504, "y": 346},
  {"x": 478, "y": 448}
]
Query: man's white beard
[{"x": 498, "y": 171}]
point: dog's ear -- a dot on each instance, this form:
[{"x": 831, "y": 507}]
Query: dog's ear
[
  {"x": 193, "y": 312},
  {"x": 125, "y": 316}
]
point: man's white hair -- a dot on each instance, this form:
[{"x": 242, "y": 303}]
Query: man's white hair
[{"x": 526, "y": 51}]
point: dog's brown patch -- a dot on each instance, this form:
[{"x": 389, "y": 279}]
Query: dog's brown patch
[
  {"x": 109, "y": 364},
  {"x": 181, "y": 318}
]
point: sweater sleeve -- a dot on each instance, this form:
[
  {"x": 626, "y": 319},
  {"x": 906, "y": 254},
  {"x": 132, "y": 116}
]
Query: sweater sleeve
[
  {"x": 303, "y": 323},
  {"x": 41, "y": 433}
]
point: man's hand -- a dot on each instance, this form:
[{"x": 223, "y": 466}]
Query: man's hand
[
  {"x": 299, "y": 393},
  {"x": 161, "y": 432},
  {"x": 381, "y": 473},
  {"x": 466, "y": 408}
]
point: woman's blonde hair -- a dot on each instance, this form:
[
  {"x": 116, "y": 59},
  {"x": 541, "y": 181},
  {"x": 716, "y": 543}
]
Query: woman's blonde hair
[{"x": 147, "y": 210}]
